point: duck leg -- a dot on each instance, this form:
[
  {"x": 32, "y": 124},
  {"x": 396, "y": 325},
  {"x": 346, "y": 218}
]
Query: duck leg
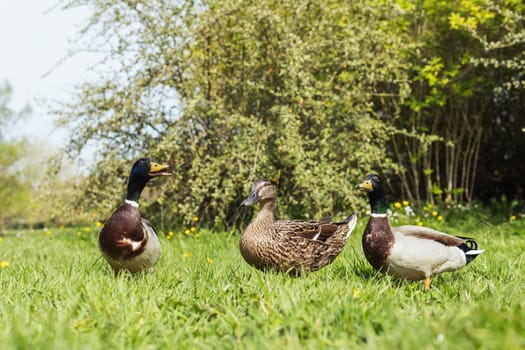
[
  {"x": 117, "y": 271},
  {"x": 427, "y": 283}
]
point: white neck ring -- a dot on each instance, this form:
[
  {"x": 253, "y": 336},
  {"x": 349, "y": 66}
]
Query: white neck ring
[{"x": 132, "y": 203}]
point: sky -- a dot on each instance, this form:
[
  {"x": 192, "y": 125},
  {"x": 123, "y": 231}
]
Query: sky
[{"x": 35, "y": 38}]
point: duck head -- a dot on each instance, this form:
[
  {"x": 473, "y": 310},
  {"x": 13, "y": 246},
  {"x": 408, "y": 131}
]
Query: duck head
[
  {"x": 262, "y": 190},
  {"x": 142, "y": 171},
  {"x": 376, "y": 193},
  {"x": 372, "y": 183}
]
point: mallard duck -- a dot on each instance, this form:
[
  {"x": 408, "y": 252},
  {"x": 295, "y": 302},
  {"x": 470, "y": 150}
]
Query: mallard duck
[
  {"x": 128, "y": 241},
  {"x": 410, "y": 252},
  {"x": 290, "y": 246}
]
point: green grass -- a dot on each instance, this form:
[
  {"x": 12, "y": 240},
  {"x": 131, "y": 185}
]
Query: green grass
[{"x": 57, "y": 293}]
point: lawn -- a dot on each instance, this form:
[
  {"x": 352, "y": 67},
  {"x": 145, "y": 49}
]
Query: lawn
[{"x": 57, "y": 293}]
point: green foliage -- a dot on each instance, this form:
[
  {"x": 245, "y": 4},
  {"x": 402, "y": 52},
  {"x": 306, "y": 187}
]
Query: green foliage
[
  {"x": 311, "y": 95},
  {"x": 14, "y": 191},
  {"x": 58, "y": 293},
  {"x": 229, "y": 91},
  {"x": 16, "y": 178},
  {"x": 457, "y": 95}
]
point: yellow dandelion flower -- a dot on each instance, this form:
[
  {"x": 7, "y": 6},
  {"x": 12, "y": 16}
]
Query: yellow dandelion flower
[
  {"x": 168, "y": 237},
  {"x": 98, "y": 224},
  {"x": 79, "y": 233},
  {"x": 87, "y": 229},
  {"x": 197, "y": 235},
  {"x": 48, "y": 233},
  {"x": 209, "y": 260},
  {"x": 397, "y": 205},
  {"x": 193, "y": 229},
  {"x": 4, "y": 264},
  {"x": 434, "y": 213},
  {"x": 440, "y": 218},
  {"x": 420, "y": 223},
  {"x": 170, "y": 234},
  {"x": 195, "y": 219},
  {"x": 187, "y": 231},
  {"x": 186, "y": 255},
  {"x": 406, "y": 203},
  {"x": 513, "y": 217},
  {"x": 356, "y": 294}
]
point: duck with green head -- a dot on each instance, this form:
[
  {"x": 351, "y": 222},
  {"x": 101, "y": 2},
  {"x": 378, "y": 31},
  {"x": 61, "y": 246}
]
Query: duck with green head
[
  {"x": 128, "y": 241},
  {"x": 410, "y": 252}
]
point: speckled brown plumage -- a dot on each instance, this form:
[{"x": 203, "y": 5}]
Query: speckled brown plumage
[{"x": 290, "y": 246}]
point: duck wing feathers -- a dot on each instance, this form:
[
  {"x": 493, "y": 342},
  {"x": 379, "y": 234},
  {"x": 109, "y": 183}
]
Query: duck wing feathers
[
  {"x": 315, "y": 230},
  {"x": 430, "y": 234},
  {"x": 306, "y": 229},
  {"x": 148, "y": 226}
]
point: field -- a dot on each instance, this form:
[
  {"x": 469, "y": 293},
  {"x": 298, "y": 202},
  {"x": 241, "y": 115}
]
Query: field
[{"x": 57, "y": 293}]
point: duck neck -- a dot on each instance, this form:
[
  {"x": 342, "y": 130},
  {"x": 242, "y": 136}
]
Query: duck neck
[
  {"x": 266, "y": 212},
  {"x": 135, "y": 188},
  {"x": 377, "y": 202}
]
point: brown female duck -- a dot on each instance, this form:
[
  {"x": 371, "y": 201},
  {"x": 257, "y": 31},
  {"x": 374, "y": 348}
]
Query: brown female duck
[
  {"x": 410, "y": 252},
  {"x": 291, "y": 246},
  {"x": 127, "y": 241}
]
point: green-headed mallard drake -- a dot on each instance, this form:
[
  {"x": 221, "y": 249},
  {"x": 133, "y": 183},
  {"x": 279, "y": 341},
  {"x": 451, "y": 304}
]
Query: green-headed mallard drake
[
  {"x": 128, "y": 241},
  {"x": 291, "y": 246},
  {"x": 411, "y": 252}
]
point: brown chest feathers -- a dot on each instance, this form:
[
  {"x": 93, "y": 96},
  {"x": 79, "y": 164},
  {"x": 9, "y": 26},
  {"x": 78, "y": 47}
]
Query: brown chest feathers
[
  {"x": 123, "y": 234},
  {"x": 377, "y": 241}
]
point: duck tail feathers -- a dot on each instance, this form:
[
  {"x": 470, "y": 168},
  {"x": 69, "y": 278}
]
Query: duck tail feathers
[
  {"x": 352, "y": 222},
  {"x": 350, "y": 217},
  {"x": 470, "y": 243},
  {"x": 472, "y": 254},
  {"x": 470, "y": 248}
]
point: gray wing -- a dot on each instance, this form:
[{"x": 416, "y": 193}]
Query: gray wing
[
  {"x": 428, "y": 233},
  {"x": 149, "y": 227}
]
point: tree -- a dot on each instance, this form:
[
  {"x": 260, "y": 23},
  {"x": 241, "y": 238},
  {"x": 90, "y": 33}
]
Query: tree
[
  {"x": 450, "y": 115},
  {"x": 309, "y": 94},
  {"x": 499, "y": 27},
  {"x": 229, "y": 91},
  {"x": 15, "y": 186}
]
